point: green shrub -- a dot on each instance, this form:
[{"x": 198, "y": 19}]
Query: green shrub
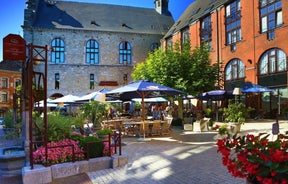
[
  {"x": 59, "y": 126},
  {"x": 95, "y": 148},
  {"x": 76, "y": 137},
  {"x": 223, "y": 129},
  {"x": 104, "y": 131},
  {"x": 12, "y": 126}
]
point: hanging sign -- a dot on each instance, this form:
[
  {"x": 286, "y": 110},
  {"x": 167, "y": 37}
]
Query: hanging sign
[{"x": 14, "y": 48}]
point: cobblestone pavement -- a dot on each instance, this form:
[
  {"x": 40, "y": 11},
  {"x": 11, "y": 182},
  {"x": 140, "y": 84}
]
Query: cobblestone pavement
[{"x": 185, "y": 157}]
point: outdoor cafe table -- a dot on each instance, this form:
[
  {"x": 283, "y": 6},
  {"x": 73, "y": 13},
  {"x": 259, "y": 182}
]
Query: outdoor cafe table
[
  {"x": 134, "y": 127},
  {"x": 114, "y": 124}
]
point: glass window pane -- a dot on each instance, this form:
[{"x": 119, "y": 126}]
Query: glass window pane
[
  {"x": 264, "y": 24},
  {"x": 281, "y": 61},
  {"x": 228, "y": 11},
  {"x": 264, "y": 64},
  {"x": 279, "y": 20}
]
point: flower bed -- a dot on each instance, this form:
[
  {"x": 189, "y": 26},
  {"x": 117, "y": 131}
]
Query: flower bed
[
  {"x": 59, "y": 152},
  {"x": 256, "y": 158}
]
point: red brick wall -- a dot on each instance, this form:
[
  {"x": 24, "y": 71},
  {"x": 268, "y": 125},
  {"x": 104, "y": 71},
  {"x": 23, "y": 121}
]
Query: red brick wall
[
  {"x": 253, "y": 43},
  {"x": 12, "y": 76}
]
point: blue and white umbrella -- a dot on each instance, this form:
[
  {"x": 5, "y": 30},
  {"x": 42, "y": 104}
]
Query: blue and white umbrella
[{"x": 254, "y": 88}]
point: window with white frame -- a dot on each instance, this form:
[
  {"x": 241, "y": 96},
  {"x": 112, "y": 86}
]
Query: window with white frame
[
  {"x": 3, "y": 96},
  {"x": 271, "y": 14},
  {"x": 233, "y": 22},
  {"x": 18, "y": 82},
  {"x": 185, "y": 35},
  {"x": 272, "y": 61},
  {"x": 4, "y": 82},
  {"x": 206, "y": 32},
  {"x": 234, "y": 70}
]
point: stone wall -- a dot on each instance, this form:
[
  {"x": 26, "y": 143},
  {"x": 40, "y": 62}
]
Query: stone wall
[
  {"x": 75, "y": 73},
  {"x": 43, "y": 175}
]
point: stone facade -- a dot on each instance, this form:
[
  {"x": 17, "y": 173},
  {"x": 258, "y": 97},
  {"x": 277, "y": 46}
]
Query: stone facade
[{"x": 74, "y": 73}]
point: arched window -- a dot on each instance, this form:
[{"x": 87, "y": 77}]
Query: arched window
[
  {"x": 58, "y": 51},
  {"x": 124, "y": 53},
  {"x": 235, "y": 69},
  {"x": 92, "y": 52},
  {"x": 272, "y": 61}
]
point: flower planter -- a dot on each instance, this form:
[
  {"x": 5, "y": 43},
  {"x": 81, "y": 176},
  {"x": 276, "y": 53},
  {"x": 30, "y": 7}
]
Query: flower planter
[
  {"x": 240, "y": 154},
  {"x": 235, "y": 128},
  {"x": 12, "y": 159}
]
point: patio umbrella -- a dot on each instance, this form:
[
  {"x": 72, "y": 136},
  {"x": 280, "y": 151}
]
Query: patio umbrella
[
  {"x": 65, "y": 99},
  {"x": 216, "y": 95},
  {"x": 156, "y": 99},
  {"x": 142, "y": 89},
  {"x": 97, "y": 95},
  {"x": 254, "y": 88},
  {"x": 68, "y": 99},
  {"x": 41, "y": 103},
  {"x": 249, "y": 87}
]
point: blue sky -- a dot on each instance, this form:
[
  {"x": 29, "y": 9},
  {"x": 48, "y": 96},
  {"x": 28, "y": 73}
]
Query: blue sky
[{"x": 12, "y": 13}]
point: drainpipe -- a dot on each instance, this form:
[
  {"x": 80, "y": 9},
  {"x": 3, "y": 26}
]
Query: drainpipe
[{"x": 218, "y": 45}]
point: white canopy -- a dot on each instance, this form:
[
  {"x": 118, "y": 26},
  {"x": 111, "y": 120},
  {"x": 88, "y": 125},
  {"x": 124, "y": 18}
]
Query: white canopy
[
  {"x": 156, "y": 99},
  {"x": 65, "y": 99}
]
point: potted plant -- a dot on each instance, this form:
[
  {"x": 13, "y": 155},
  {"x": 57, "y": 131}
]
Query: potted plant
[
  {"x": 137, "y": 108},
  {"x": 103, "y": 134},
  {"x": 236, "y": 114},
  {"x": 255, "y": 158},
  {"x": 94, "y": 112}
]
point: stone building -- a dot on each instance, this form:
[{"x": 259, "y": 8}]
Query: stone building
[
  {"x": 93, "y": 46},
  {"x": 245, "y": 37}
]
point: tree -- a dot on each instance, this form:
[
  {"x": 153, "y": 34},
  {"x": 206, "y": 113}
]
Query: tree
[{"x": 183, "y": 69}]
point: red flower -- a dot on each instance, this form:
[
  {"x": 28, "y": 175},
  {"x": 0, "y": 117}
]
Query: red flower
[
  {"x": 277, "y": 156},
  {"x": 255, "y": 157}
]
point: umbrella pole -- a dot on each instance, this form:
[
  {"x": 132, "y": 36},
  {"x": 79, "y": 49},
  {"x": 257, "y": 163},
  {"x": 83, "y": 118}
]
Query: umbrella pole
[{"x": 143, "y": 119}]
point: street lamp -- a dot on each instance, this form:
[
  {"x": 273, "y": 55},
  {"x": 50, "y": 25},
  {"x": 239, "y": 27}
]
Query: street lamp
[{"x": 237, "y": 92}]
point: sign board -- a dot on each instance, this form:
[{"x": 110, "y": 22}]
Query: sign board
[
  {"x": 275, "y": 128},
  {"x": 14, "y": 48}
]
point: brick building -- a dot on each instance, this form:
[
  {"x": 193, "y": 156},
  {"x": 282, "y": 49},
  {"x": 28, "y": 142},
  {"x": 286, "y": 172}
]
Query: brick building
[
  {"x": 246, "y": 38},
  {"x": 10, "y": 78},
  {"x": 93, "y": 46}
]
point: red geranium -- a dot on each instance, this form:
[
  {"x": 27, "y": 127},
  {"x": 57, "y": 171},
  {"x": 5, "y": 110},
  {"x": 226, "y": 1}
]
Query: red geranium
[{"x": 256, "y": 158}]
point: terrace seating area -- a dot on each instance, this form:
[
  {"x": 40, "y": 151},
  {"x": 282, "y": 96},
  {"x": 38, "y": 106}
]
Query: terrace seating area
[{"x": 137, "y": 127}]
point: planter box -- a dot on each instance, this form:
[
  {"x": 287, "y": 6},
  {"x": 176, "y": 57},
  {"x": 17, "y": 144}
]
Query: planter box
[
  {"x": 188, "y": 126},
  {"x": 43, "y": 175}
]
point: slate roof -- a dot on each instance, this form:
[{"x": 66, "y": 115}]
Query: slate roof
[
  {"x": 101, "y": 17},
  {"x": 9, "y": 65},
  {"x": 196, "y": 10}
]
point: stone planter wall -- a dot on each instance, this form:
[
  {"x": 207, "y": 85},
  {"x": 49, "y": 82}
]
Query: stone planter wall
[{"x": 43, "y": 175}]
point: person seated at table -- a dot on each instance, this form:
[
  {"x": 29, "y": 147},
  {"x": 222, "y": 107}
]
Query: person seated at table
[{"x": 157, "y": 113}]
